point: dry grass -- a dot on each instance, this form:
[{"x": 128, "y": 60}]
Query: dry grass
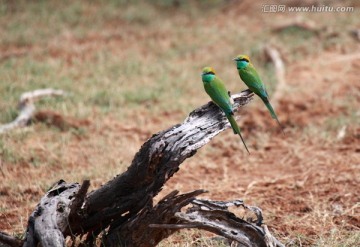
[{"x": 133, "y": 73}]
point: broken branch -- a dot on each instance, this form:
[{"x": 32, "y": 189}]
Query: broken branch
[
  {"x": 275, "y": 57},
  {"x": 27, "y": 107}
]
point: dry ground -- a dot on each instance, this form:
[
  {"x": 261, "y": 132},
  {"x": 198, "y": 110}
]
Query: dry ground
[{"x": 134, "y": 73}]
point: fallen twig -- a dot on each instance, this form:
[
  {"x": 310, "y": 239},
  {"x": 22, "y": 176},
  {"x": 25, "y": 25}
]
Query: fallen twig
[
  {"x": 27, "y": 107},
  {"x": 275, "y": 57}
]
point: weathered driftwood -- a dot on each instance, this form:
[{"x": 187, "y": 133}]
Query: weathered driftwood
[
  {"x": 214, "y": 216},
  {"x": 139, "y": 230},
  {"x": 27, "y": 107},
  {"x": 121, "y": 211},
  {"x": 48, "y": 222},
  {"x": 157, "y": 160}
]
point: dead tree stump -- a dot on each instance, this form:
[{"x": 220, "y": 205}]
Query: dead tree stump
[{"x": 121, "y": 212}]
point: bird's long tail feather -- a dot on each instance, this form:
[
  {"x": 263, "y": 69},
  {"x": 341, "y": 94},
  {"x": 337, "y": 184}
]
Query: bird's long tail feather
[
  {"x": 272, "y": 112},
  {"x": 236, "y": 129}
]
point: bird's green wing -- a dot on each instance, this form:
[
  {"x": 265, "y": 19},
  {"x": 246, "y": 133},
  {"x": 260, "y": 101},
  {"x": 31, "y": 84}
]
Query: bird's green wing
[
  {"x": 218, "y": 93},
  {"x": 252, "y": 79}
]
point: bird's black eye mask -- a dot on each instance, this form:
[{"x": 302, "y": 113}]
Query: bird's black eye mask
[
  {"x": 210, "y": 73},
  {"x": 242, "y": 59}
]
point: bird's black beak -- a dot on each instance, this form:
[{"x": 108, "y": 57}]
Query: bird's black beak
[{"x": 235, "y": 59}]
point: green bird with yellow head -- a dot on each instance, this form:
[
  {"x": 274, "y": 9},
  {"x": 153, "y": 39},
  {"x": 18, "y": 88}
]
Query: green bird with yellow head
[
  {"x": 251, "y": 78},
  {"x": 215, "y": 88}
]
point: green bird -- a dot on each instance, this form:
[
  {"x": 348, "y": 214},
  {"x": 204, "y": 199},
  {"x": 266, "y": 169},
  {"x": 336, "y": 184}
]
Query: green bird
[
  {"x": 251, "y": 78},
  {"x": 215, "y": 88}
]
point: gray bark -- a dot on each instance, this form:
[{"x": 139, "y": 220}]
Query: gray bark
[{"x": 121, "y": 212}]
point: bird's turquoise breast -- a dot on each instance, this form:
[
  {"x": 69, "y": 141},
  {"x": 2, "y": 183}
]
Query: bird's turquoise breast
[
  {"x": 241, "y": 64},
  {"x": 208, "y": 77}
]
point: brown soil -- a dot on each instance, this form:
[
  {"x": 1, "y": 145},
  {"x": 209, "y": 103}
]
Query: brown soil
[{"x": 307, "y": 181}]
